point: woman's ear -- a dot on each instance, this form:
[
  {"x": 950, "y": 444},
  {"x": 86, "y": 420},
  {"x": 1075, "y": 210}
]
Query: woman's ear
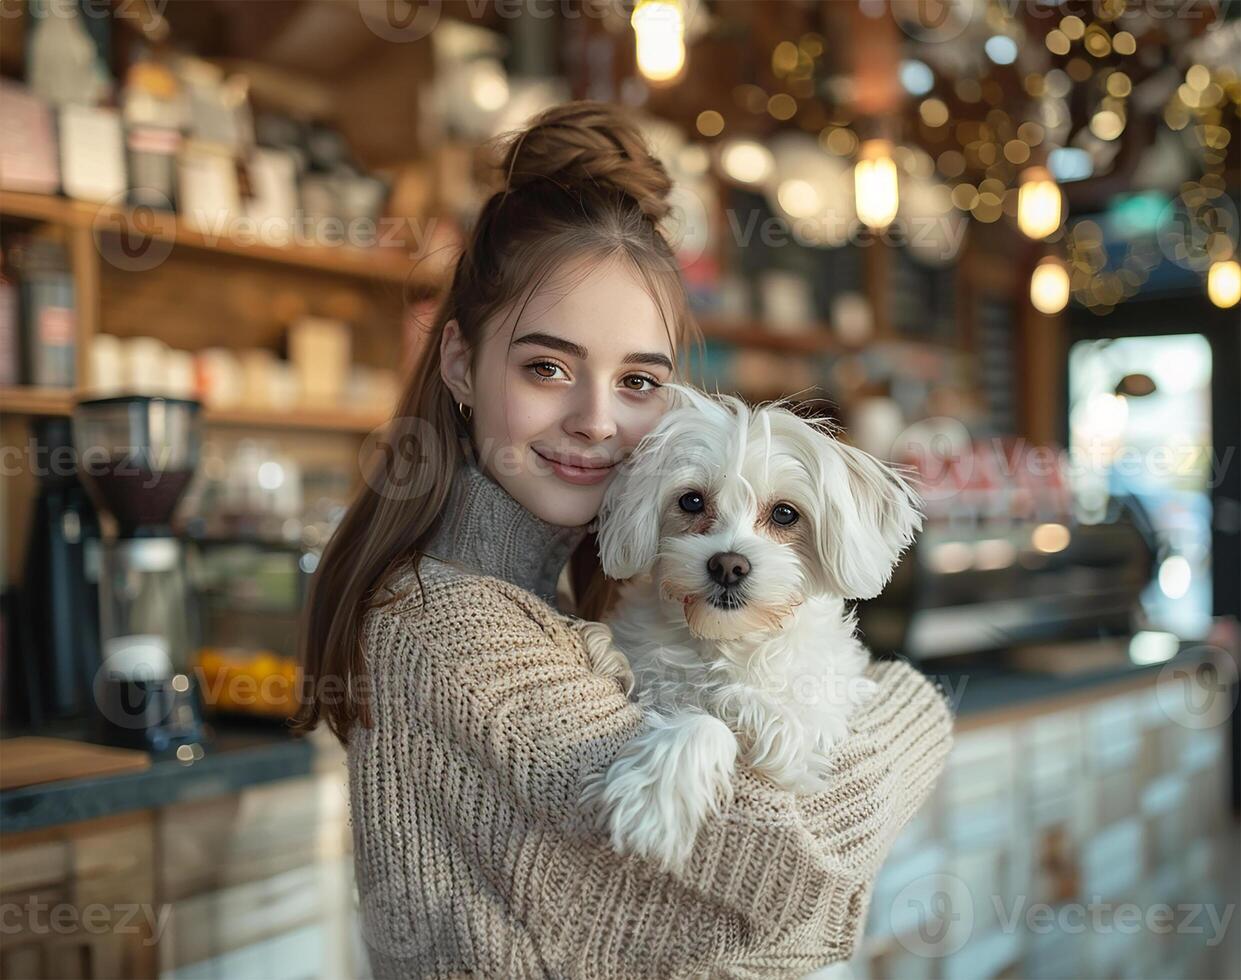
[{"x": 456, "y": 362}]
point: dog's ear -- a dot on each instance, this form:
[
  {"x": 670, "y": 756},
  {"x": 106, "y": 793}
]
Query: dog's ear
[
  {"x": 870, "y": 522},
  {"x": 629, "y": 515}
]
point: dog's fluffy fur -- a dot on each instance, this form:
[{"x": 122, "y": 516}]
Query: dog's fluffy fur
[{"x": 767, "y": 670}]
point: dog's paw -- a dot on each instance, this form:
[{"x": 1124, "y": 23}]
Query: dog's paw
[
  {"x": 605, "y": 658},
  {"x": 774, "y": 739},
  {"x": 654, "y": 798}
]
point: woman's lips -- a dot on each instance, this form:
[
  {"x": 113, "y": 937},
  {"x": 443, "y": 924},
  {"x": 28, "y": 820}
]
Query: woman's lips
[{"x": 582, "y": 476}]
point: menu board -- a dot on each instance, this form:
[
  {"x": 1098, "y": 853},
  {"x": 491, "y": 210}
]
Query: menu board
[
  {"x": 922, "y": 299},
  {"x": 996, "y": 332}
]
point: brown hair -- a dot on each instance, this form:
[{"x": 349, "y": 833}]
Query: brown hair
[{"x": 578, "y": 181}]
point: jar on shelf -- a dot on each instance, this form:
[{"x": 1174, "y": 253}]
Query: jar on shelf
[{"x": 49, "y": 313}]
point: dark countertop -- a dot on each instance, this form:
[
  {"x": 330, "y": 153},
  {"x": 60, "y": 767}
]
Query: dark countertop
[
  {"x": 234, "y": 759},
  {"x": 241, "y": 757},
  {"x": 977, "y": 689}
]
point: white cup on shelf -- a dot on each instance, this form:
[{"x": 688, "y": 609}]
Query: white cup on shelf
[
  {"x": 106, "y": 374},
  {"x": 145, "y": 366},
  {"x": 181, "y": 374}
]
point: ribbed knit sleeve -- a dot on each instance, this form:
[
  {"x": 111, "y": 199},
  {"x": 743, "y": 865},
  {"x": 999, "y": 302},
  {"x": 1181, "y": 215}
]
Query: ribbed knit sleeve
[{"x": 469, "y": 782}]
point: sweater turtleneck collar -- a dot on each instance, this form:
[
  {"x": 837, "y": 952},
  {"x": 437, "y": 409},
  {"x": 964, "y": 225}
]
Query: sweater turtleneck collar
[{"x": 486, "y": 530}]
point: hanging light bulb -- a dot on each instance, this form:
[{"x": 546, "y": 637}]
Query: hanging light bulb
[
  {"x": 1224, "y": 283},
  {"x": 659, "y": 33},
  {"x": 1038, "y": 203},
  {"x": 1049, "y": 286},
  {"x": 874, "y": 184}
]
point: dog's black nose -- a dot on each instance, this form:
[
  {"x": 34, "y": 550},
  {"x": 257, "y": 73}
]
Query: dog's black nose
[{"x": 728, "y": 568}]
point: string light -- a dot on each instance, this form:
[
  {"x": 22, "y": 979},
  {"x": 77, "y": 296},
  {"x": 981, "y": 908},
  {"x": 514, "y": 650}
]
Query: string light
[
  {"x": 782, "y": 106},
  {"x": 1107, "y": 124},
  {"x": 659, "y": 33},
  {"x": 875, "y": 186},
  {"x": 710, "y": 123},
  {"x": 1038, "y": 203},
  {"x": 784, "y": 59},
  {"x": 1049, "y": 286},
  {"x": 1058, "y": 42},
  {"x": 933, "y": 112}
]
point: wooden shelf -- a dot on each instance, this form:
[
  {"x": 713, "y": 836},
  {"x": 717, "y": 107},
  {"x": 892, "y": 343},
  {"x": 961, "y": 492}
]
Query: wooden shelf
[
  {"x": 26, "y": 400},
  {"x": 816, "y": 338},
  {"x": 312, "y": 419},
  {"x": 381, "y": 263},
  {"x": 50, "y": 401}
]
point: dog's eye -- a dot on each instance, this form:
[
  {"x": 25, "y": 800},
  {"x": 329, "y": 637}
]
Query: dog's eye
[
  {"x": 692, "y": 502},
  {"x": 783, "y": 514}
]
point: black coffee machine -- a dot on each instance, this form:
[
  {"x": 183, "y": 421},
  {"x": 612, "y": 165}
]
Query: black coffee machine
[
  {"x": 57, "y": 633},
  {"x": 138, "y": 455}
]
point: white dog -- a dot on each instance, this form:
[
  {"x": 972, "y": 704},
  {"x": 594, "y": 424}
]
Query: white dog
[{"x": 742, "y": 532}]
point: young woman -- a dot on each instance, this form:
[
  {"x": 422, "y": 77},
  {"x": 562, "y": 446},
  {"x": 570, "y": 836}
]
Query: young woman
[{"x": 440, "y": 650}]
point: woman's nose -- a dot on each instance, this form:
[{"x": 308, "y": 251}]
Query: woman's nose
[{"x": 592, "y": 416}]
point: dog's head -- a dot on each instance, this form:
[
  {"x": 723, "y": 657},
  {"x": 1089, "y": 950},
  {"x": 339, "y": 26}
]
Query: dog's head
[{"x": 741, "y": 512}]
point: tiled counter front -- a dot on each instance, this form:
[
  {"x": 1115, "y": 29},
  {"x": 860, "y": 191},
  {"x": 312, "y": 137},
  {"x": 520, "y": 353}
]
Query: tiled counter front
[{"x": 1093, "y": 839}]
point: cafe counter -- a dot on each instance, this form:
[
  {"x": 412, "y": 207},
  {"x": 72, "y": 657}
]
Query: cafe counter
[{"x": 1112, "y": 783}]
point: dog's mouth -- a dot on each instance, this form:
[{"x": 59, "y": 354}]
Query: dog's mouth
[
  {"x": 721, "y": 600},
  {"x": 720, "y": 614}
]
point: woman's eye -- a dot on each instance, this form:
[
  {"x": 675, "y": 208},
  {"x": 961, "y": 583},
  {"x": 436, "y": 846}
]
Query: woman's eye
[
  {"x": 783, "y": 514},
  {"x": 538, "y": 367},
  {"x": 643, "y": 383},
  {"x": 692, "y": 502}
]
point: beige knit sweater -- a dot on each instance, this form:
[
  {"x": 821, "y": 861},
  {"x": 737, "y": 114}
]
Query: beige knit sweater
[{"x": 472, "y": 858}]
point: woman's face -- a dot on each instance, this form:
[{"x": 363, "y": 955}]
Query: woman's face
[{"x": 556, "y": 409}]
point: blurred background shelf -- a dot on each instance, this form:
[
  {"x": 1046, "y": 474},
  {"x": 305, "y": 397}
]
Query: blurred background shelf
[
  {"x": 815, "y": 338},
  {"x": 382, "y": 264},
  {"x": 26, "y": 400}
]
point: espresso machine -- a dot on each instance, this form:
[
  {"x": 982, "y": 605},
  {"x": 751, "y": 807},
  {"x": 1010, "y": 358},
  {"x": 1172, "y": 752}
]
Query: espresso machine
[{"x": 138, "y": 454}]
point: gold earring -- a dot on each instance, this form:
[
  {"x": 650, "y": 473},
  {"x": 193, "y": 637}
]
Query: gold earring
[{"x": 461, "y": 408}]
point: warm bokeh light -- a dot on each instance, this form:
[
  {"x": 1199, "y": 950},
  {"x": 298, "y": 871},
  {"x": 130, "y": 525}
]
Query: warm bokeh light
[
  {"x": 1224, "y": 283},
  {"x": 934, "y": 112},
  {"x": 1050, "y": 538},
  {"x": 747, "y": 161},
  {"x": 782, "y": 106},
  {"x": 1049, "y": 286},
  {"x": 659, "y": 33},
  {"x": 798, "y": 198},
  {"x": 1107, "y": 124},
  {"x": 875, "y": 185},
  {"x": 710, "y": 123},
  {"x": 1038, "y": 203}
]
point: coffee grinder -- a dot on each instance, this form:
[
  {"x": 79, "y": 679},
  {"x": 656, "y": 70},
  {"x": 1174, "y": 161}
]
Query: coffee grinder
[{"x": 138, "y": 454}]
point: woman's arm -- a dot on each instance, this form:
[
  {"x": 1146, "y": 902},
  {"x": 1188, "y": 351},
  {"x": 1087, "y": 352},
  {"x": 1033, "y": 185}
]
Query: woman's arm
[{"x": 778, "y": 882}]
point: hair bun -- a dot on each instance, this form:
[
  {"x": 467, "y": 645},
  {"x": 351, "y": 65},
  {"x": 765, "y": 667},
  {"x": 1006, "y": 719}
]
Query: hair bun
[{"x": 588, "y": 143}]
